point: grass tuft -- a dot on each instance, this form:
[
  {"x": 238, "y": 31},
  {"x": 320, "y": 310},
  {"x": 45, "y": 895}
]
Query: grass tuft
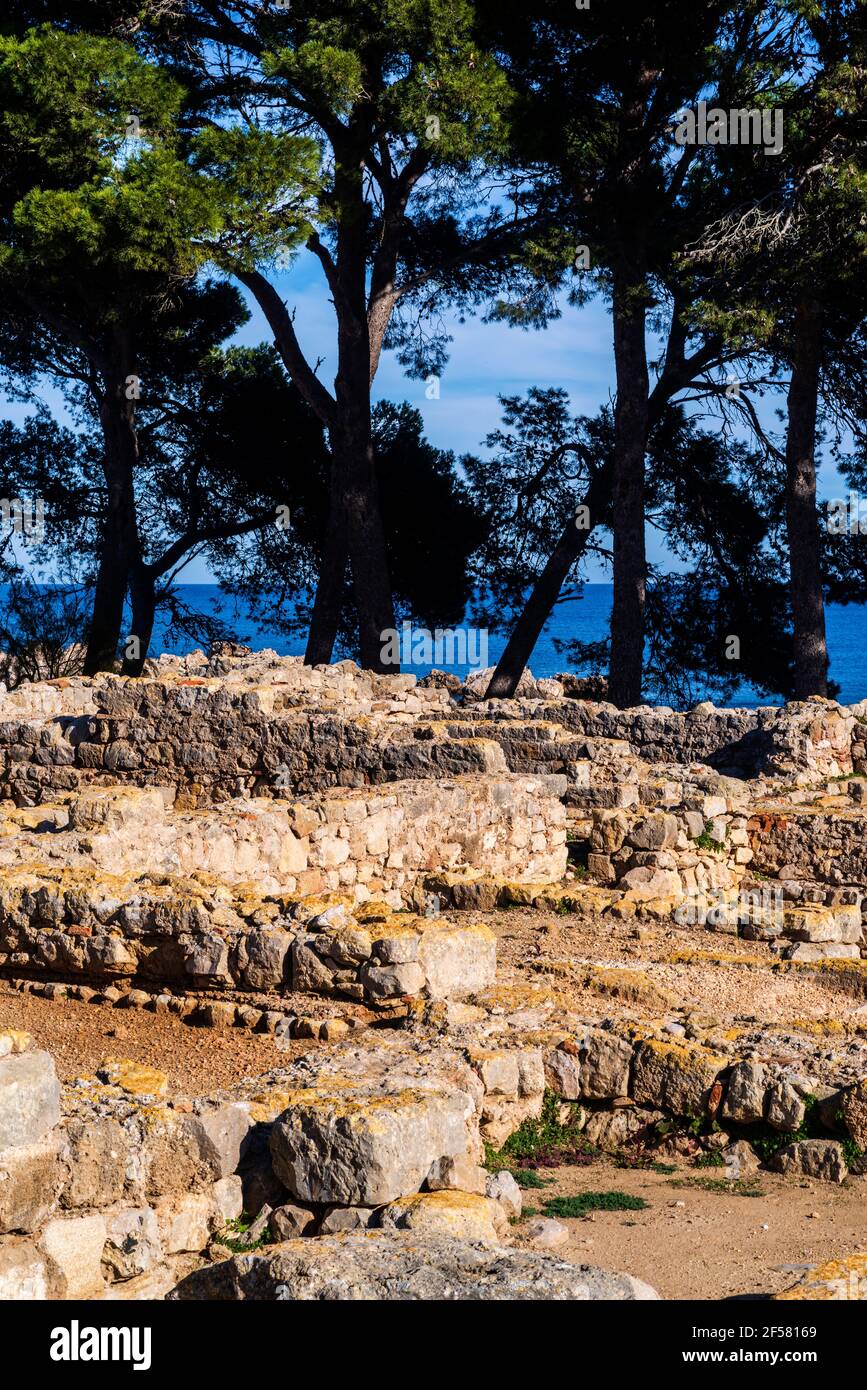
[{"x": 586, "y": 1202}]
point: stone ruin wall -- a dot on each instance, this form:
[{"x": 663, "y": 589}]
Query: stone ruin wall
[
  {"x": 168, "y": 831},
  {"x": 109, "y": 1189},
  {"x": 221, "y": 836}
]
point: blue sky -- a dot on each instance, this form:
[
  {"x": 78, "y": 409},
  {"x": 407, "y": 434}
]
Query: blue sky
[{"x": 486, "y": 361}]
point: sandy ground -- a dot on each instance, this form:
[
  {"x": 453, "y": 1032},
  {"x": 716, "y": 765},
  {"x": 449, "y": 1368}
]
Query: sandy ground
[
  {"x": 196, "y": 1060},
  {"x": 714, "y": 1245},
  {"x": 527, "y": 941}
]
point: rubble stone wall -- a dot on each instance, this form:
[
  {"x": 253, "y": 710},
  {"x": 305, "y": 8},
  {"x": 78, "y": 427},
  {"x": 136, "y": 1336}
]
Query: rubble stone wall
[
  {"x": 108, "y": 1188},
  {"x": 129, "y": 889},
  {"x": 809, "y": 739},
  {"x": 797, "y": 842}
]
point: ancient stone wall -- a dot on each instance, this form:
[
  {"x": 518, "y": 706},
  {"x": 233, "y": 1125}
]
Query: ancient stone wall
[
  {"x": 807, "y": 740},
  {"x": 108, "y": 1186},
  {"x": 163, "y": 829}
]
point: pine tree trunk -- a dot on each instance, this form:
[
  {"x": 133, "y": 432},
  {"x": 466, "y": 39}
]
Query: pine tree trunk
[
  {"x": 119, "y": 544},
  {"x": 328, "y": 602},
  {"x": 630, "y": 440},
  {"x": 356, "y": 532},
  {"x": 546, "y": 591},
  {"x": 143, "y": 602},
  {"x": 808, "y": 604}
]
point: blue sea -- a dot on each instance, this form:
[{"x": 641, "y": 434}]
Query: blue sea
[{"x": 586, "y": 617}]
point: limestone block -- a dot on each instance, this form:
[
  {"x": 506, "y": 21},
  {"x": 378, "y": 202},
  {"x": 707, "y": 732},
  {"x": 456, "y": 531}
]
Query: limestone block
[
  {"x": 458, "y": 960},
  {"x": 605, "y": 1061},
  {"x": 186, "y": 1221},
  {"x": 465, "y": 1215},
  {"x": 385, "y": 1265},
  {"x": 29, "y": 1098},
  {"x": 99, "y": 1156},
  {"x": 75, "y": 1245},
  {"x": 30, "y": 1180},
  {"x": 132, "y": 1243},
  {"x": 786, "y": 1109},
  {"x": 812, "y": 1158},
  {"x": 674, "y": 1076},
  {"x": 366, "y": 1150},
  {"x": 745, "y": 1093},
  {"x": 27, "y": 1274}
]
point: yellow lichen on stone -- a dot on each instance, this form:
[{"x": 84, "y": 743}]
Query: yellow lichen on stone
[
  {"x": 816, "y": 1027},
  {"x": 686, "y": 1055},
  {"x": 833, "y": 1281},
  {"x": 133, "y": 1077},
  {"x": 632, "y": 986},
  {"x": 19, "y": 1041},
  {"x": 464, "y": 1215},
  {"x": 503, "y": 998}
]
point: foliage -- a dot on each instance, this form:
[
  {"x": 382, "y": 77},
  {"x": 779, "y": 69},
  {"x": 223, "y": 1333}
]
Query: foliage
[
  {"x": 529, "y": 1178},
  {"x": 585, "y": 1202},
  {"x": 542, "y": 1142},
  {"x": 41, "y": 631}
]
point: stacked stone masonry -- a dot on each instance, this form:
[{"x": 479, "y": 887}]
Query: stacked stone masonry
[
  {"x": 244, "y": 778},
  {"x": 226, "y": 833}
]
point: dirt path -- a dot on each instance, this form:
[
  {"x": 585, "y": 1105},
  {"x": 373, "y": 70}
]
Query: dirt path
[
  {"x": 531, "y": 942},
  {"x": 196, "y": 1060},
  {"x": 714, "y": 1245}
]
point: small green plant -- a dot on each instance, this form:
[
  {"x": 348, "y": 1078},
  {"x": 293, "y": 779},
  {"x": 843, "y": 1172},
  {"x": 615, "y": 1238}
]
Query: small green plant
[
  {"x": 544, "y": 1142},
  {"x": 233, "y": 1232},
  {"x": 528, "y": 1177},
  {"x": 586, "y": 1202},
  {"x": 495, "y": 1162},
  {"x": 851, "y": 1152},
  {"x": 706, "y": 841},
  {"x": 690, "y": 1126},
  {"x": 713, "y": 1159}
]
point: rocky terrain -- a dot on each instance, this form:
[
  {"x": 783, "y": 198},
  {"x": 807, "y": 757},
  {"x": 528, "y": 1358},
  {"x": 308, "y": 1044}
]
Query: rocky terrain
[{"x": 451, "y": 953}]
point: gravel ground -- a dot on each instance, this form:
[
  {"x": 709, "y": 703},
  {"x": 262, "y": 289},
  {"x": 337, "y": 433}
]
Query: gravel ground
[
  {"x": 528, "y": 939},
  {"x": 196, "y": 1060},
  {"x": 691, "y": 1242}
]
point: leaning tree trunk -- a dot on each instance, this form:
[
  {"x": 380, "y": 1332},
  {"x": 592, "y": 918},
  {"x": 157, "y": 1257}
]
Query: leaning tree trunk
[
  {"x": 546, "y": 591},
  {"x": 143, "y": 601},
  {"x": 328, "y": 602},
  {"x": 119, "y": 544},
  {"x": 630, "y": 440},
  {"x": 805, "y": 570}
]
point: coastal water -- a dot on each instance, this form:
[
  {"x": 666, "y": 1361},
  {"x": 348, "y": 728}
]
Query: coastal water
[{"x": 585, "y": 618}]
